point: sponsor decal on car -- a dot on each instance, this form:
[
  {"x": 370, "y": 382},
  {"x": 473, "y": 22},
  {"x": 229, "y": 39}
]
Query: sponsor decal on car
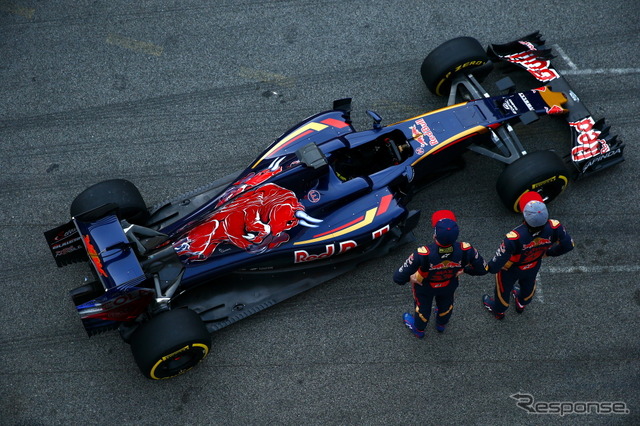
[
  {"x": 255, "y": 221},
  {"x": 330, "y": 249},
  {"x": 509, "y": 105},
  {"x": 93, "y": 255},
  {"x": 313, "y": 196},
  {"x": 589, "y": 143},
  {"x": 538, "y": 67},
  {"x": 63, "y": 246},
  {"x": 602, "y": 157},
  {"x": 556, "y": 109},
  {"x": 424, "y": 130},
  {"x": 526, "y": 101},
  {"x": 380, "y": 232}
]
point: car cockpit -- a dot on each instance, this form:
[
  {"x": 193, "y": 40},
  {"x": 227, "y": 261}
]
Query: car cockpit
[{"x": 385, "y": 151}]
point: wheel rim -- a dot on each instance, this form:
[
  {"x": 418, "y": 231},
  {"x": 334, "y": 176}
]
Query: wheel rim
[{"x": 179, "y": 361}]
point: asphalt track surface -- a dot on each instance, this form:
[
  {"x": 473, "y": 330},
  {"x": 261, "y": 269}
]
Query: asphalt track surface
[{"x": 172, "y": 95}]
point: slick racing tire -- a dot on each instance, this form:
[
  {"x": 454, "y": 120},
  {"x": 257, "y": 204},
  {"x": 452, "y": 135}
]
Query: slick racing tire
[
  {"x": 170, "y": 344},
  {"x": 119, "y": 192},
  {"x": 449, "y": 59},
  {"x": 540, "y": 171}
]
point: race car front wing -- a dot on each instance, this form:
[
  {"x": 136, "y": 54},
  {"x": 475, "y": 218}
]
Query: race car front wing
[{"x": 594, "y": 147}]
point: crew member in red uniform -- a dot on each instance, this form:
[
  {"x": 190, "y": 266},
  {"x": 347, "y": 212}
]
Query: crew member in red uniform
[
  {"x": 433, "y": 271},
  {"x": 519, "y": 257}
]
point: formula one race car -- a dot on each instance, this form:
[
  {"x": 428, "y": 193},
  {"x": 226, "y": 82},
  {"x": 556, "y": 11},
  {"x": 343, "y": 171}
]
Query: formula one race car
[{"x": 321, "y": 199}]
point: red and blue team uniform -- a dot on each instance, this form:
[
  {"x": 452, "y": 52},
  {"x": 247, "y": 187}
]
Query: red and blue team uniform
[
  {"x": 435, "y": 270},
  {"x": 518, "y": 259}
]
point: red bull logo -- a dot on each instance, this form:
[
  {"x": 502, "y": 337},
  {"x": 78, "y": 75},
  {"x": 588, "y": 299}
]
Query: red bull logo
[
  {"x": 532, "y": 251},
  {"x": 589, "y": 143},
  {"x": 256, "y": 221},
  {"x": 536, "y": 66},
  {"x": 445, "y": 264},
  {"x": 330, "y": 249},
  {"x": 555, "y": 110},
  {"x": 536, "y": 242},
  {"x": 418, "y": 135}
]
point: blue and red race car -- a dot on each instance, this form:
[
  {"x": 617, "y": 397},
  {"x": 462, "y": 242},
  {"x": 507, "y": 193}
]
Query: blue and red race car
[{"x": 318, "y": 201}]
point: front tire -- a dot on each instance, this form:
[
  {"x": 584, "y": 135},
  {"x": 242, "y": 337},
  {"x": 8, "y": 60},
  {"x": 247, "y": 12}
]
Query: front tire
[
  {"x": 170, "y": 344},
  {"x": 540, "y": 171},
  {"x": 448, "y": 60}
]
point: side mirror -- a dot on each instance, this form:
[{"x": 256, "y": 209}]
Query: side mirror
[{"x": 376, "y": 119}]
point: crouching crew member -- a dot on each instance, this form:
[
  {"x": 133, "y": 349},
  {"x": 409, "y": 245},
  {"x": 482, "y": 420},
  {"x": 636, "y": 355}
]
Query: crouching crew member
[
  {"x": 433, "y": 271},
  {"x": 519, "y": 257}
]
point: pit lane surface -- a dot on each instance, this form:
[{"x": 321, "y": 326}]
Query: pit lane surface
[{"x": 172, "y": 95}]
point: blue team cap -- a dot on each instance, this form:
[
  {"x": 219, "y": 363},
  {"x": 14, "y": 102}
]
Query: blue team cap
[{"x": 446, "y": 232}]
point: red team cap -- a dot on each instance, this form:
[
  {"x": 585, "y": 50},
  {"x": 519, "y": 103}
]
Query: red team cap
[
  {"x": 533, "y": 209},
  {"x": 529, "y": 196},
  {"x": 442, "y": 214}
]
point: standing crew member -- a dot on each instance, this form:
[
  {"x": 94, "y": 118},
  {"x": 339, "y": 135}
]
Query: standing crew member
[
  {"x": 433, "y": 271},
  {"x": 519, "y": 257}
]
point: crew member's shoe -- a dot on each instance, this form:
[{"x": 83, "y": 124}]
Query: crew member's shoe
[
  {"x": 439, "y": 327},
  {"x": 516, "y": 292},
  {"x": 488, "y": 304},
  {"x": 409, "y": 323}
]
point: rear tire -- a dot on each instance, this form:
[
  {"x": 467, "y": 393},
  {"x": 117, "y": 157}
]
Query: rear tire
[
  {"x": 170, "y": 344},
  {"x": 124, "y": 194},
  {"x": 87, "y": 292},
  {"x": 540, "y": 171},
  {"x": 448, "y": 60}
]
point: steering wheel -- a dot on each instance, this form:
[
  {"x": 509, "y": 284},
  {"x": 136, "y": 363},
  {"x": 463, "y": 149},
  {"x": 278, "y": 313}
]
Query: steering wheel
[{"x": 393, "y": 149}]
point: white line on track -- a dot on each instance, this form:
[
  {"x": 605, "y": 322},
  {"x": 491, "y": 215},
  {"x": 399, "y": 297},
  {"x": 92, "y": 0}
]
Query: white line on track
[
  {"x": 602, "y": 269},
  {"x": 590, "y": 269},
  {"x": 590, "y": 71},
  {"x": 593, "y": 71},
  {"x": 539, "y": 295},
  {"x": 565, "y": 57}
]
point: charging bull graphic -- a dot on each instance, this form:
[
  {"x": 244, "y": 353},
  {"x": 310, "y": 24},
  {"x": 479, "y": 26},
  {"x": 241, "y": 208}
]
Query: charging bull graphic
[
  {"x": 251, "y": 180},
  {"x": 255, "y": 221}
]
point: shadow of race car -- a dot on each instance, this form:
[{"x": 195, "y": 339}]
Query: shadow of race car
[{"x": 318, "y": 201}]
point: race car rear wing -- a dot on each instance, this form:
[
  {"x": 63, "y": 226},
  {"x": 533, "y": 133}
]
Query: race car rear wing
[
  {"x": 594, "y": 147},
  {"x": 124, "y": 292}
]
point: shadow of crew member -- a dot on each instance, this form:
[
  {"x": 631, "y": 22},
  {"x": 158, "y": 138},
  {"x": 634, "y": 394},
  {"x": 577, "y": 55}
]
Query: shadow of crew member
[
  {"x": 433, "y": 272},
  {"x": 520, "y": 254}
]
